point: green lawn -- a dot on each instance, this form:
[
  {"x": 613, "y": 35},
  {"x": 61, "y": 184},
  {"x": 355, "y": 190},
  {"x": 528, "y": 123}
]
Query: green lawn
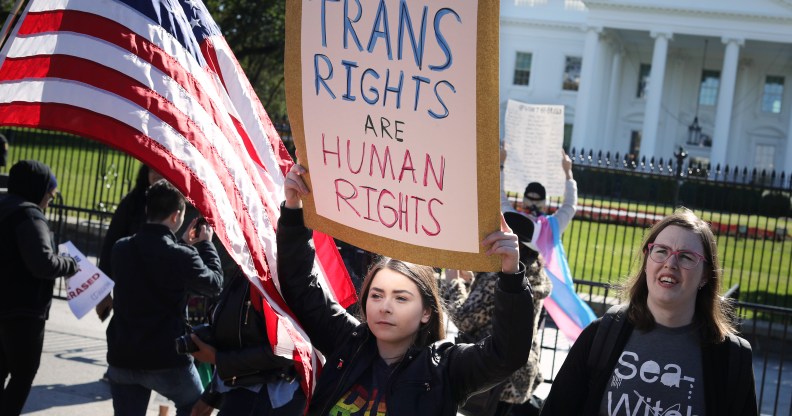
[
  {"x": 728, "y": 218},
  {"x": 89, "y": 175}
]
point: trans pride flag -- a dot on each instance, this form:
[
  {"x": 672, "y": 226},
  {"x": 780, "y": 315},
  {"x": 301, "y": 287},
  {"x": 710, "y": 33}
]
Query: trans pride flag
[{"x": 566, "y": 308}]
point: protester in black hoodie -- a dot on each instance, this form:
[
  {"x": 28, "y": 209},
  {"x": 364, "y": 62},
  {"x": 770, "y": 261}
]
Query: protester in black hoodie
[{"x": 30, "y": 266}]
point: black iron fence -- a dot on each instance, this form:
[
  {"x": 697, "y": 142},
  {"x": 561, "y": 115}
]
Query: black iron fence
[
  {"x": 749, "y": 212},
  {"x": 619, "y": 199}
]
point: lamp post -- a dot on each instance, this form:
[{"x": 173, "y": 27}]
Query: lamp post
[
  {"x": 694, "y": 129},
  {"x": 680, "y": 156}
]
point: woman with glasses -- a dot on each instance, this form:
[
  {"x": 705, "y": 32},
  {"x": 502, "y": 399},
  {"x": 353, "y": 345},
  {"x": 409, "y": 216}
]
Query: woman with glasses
[{"x": 674, "y": 350}]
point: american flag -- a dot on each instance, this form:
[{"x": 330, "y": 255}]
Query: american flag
[{"x": 156, "y": 79}]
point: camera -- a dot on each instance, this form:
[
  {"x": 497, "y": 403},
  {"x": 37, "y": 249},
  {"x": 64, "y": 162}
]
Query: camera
[
  {"x": 185, "y": 344},
  {"x": 201, "y": 221}
]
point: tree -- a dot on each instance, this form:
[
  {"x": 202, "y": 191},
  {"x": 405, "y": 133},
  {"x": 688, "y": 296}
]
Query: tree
[{"x": 256, "y": 31}]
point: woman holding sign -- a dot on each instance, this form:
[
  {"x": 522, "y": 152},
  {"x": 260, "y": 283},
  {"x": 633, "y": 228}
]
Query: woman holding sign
[{"x": 391, "y": 360}]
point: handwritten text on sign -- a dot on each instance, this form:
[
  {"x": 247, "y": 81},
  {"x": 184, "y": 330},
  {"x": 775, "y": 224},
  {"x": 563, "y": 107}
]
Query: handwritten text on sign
[
  {"x": 534, "y": 136},
  {"x": 389, "y": 104}
]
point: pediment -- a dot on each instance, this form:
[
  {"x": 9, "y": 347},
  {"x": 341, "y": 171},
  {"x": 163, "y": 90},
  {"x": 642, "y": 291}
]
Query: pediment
[{"x": 772, "y": 10}]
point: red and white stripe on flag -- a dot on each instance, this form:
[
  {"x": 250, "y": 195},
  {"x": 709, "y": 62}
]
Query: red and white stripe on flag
[{"x": 167, "y": 89}]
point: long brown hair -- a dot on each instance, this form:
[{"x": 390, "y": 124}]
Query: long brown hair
[
  {"x": 424, "y": 279},
  {"x": 712, "y": 311}
]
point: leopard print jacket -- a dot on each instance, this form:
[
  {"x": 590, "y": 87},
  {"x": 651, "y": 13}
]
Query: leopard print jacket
[{"x": 474, "y": 321}]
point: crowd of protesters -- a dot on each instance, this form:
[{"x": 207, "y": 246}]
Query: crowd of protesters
[{"x": 671, "y": 348}]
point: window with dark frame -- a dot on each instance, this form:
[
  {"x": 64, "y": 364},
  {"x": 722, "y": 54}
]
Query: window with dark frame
[
  {"x": 572, "y": 73},
  {"x": 643, "y": 80},
  {"x": 710, "y": 82},
  {"x": 773, "y": 94},
  {"x": 635, "y": 147},
  {"x": 522, "y": 68}
]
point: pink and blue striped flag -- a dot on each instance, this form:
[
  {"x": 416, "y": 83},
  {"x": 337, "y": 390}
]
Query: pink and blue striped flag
[{"x": 568, "y": 311}]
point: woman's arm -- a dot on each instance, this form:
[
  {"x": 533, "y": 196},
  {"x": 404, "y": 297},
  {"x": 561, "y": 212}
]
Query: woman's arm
[
  {"x": 569, "y": 205},
  {"x": 475, "y": 367},
  {"x": 40, "y": 258},
  {"x": 325, "y": 321}
]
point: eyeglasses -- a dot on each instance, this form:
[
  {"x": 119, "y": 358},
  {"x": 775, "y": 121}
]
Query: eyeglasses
[{"x": 686, "y": 259}]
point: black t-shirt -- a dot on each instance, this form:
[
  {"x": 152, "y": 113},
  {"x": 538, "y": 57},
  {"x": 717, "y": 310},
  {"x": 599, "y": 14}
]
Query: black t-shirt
[
  {"x": 658, "y": 373},
  {"x": 367, "y": 397}
]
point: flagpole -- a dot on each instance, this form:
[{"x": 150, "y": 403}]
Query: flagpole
[{"x": 9, "y": 23}]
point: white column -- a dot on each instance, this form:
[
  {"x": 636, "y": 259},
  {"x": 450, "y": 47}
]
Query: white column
[
  {"x": 654, "y": 96},
  {"x": 613, "y": 99},
  {"x": 788, "y": 157},
  {"x": 584, "y": 102},
  {"x": 720, "y": 136}
]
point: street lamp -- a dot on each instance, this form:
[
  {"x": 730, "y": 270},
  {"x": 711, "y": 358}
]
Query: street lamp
[{"x": 694, "y": 129}]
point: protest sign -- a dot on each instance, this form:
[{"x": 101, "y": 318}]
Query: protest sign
[
  {"x": 534, "y": 135},
  {"x": 88, "y": 286},
  {"x": 394, "y": 110}
]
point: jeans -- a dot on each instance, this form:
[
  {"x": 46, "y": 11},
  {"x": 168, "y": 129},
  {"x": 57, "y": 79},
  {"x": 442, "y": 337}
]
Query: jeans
[
  {"x": 21, "y": 341},
  {"x": 243, "y": 402},
  {"x": 131, "y": 389}
]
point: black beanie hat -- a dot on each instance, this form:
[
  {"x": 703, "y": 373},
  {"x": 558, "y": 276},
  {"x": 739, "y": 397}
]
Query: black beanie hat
[
  {"x": 535, "y": 188},
  {"x": 31, "y": 180}
]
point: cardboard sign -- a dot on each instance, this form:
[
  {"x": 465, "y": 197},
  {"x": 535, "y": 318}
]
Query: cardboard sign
[
  {"x": 394, "y": 110},
  {"x": 88, "y": 286},
  {"x": 534, "y": 135}
]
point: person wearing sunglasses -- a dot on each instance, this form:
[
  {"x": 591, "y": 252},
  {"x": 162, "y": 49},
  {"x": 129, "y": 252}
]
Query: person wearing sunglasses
[{"x": 673, "y": 348}]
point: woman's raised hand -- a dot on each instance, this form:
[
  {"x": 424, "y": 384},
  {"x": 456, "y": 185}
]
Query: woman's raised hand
[
  {"x": 505, "y": 244},
  {"x": 294, "y": 187}
]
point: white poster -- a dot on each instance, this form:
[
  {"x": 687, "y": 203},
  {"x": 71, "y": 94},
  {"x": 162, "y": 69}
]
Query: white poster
[
  {"x": 88, "y": 286},
  {"x": 534, "y": 138}
]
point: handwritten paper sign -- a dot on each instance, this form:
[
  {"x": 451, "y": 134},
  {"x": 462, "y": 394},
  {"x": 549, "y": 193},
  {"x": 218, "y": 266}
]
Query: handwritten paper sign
[
  {"x": 394, "y": 108},
  {"x": 534, "y": 135},
  {"x": 88, "y": 286}
]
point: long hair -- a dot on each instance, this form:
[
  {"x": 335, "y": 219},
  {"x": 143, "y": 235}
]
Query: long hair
[
  {"x": 424, "y": 279},
  {"x": 713, "y": 312}
]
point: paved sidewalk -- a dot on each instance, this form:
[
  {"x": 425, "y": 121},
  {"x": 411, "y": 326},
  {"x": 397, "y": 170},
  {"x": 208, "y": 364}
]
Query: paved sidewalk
[{"x": 73, "y": 361}]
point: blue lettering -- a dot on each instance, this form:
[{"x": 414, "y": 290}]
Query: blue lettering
[
  {"x": 319, "y": 79},
  {"x": 374, "y": 74},
  {"x": 418, "y": 80},
  {"x": 441, "y": 40},
  {"x": 381, "y": 20},
  {"x": 406, "y": 21},
  {"x": 349, "y": 65},
  {"x": 439, "y": 98},
  {"x": 348, "y": 24},
  {"x": 397, "y": 90},
  {"x": 324, "y": 20}
]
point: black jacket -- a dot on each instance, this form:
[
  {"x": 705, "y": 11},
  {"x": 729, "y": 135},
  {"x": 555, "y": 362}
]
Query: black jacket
[
  {"x": 127, "y": 219},
  {"x": 153, "y": 273},
  {"x": 578, "y": 390},
  {"x": 29, "y": 258},
  {"x": 244, "y": 356},
  {"x": 433, "y": 380}
]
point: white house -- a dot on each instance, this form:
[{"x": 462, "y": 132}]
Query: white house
[{"x": 633, "y": 75}]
